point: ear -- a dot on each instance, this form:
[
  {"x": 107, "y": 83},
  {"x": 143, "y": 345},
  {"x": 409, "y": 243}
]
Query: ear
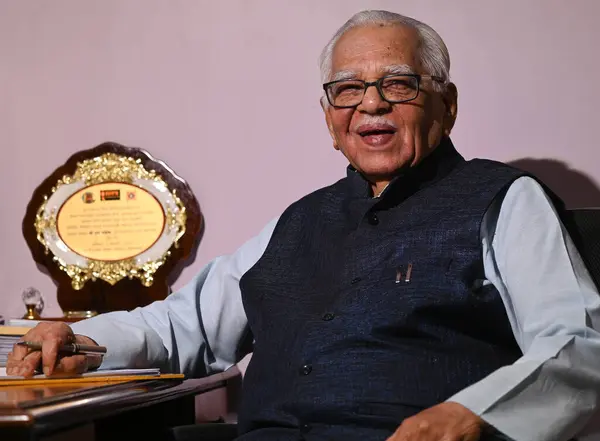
[
  {"x": 327, "y": 111},
  {"x": 450, "y": 98}
]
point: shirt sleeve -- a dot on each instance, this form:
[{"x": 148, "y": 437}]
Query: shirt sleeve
[
  {"x": 551, "y": 392},
  {"x": 196, "y": 330}
]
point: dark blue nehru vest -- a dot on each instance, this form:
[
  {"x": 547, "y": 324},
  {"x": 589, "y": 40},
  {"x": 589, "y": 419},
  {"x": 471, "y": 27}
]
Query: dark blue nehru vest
[{"x": 367, "y": 310}]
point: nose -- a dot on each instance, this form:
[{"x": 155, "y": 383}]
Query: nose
[{"x": 373, "y": 103}]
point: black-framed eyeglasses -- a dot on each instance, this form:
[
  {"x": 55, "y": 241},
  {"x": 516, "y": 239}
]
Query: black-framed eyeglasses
[{"x": 394, "y": 89}]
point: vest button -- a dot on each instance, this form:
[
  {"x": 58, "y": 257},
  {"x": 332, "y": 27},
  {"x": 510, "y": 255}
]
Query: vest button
[
  {"x": 306, "y": 369},
  {"x": 329, "y": 316},
  {"x": 373, "y": 219},
  {"x": 355, "y": 280},
  {"x": 305, "y": 428}
]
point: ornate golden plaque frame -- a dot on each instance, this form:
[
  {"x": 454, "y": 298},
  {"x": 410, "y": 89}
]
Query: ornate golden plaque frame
[{"x": 111, "y": 214}]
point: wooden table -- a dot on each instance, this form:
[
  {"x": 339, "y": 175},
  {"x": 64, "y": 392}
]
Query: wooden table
[{"x": 134, "y": 410}]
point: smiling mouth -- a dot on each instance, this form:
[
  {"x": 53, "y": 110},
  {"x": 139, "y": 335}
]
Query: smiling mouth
[
  {"x": 377, "y": 132},
  {"x": 377, "y": 137}
]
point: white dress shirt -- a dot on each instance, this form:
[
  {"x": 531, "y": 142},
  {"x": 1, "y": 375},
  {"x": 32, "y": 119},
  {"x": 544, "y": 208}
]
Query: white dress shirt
[{"x": 549, "y": 394}]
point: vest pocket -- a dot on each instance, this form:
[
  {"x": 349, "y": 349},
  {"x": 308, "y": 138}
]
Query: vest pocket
[{"x": 405, "y": 271}]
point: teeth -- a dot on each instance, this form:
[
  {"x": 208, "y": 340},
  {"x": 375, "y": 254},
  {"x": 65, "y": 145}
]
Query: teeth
[{"x": 379, "y": 132}]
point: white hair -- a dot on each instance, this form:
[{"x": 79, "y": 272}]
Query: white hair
[{"x": 433, "y": 52}]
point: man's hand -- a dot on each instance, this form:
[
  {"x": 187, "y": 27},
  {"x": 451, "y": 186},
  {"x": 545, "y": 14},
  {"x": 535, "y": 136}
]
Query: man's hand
[
  {"x": 445, "y": 422},
  {"x": 23, "y": 361}
]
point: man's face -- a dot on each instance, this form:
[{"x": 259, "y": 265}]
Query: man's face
[{"x": 379, "y": 138}]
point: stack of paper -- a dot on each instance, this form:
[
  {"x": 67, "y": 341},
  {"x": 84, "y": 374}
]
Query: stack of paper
[
  {"x": 9, "y": 335},
  {"x": 99, "y": 376},
  {"x": 6, "y": 345},
  {"x": 98, "y": 373},
  {"x": 23, "y": 323}
]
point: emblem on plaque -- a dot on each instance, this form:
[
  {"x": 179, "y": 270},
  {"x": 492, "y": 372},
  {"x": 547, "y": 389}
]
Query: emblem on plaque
[{"x": 107, "y": 222}]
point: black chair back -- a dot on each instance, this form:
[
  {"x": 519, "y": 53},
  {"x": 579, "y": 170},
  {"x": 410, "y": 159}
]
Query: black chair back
[{"x": 584, "y": 227}]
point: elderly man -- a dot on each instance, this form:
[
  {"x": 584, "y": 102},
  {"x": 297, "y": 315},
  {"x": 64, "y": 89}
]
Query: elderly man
[{"x": 422, "y": 297}]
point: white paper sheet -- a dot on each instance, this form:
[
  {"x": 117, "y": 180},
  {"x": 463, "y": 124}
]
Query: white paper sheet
[{"x": 98, "y": 373}]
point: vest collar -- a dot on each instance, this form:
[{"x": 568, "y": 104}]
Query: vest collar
[{"x": 433, "y": 168}]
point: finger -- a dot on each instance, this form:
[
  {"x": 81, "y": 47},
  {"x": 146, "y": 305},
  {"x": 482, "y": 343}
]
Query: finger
[
  {"x": 49, "y": 355},
  {"x": 35, "y": 334},
  {"x": 19, "y": 352},
  {"x": 29, "y": 364},
  {"x": 77, "y": 364},
  {"x": 12, "y": 365},
  {"x": 409, "y": 431}
]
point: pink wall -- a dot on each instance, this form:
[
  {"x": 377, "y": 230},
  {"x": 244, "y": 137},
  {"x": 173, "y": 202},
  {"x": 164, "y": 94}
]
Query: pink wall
[{"x": 227, "y": 94}]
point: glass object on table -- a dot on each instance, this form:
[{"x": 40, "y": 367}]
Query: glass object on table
[{"x": 34, "y": 302}]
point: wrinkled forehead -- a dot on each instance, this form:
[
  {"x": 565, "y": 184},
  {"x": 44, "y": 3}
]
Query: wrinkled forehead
[{"x": 375, "y": 50}]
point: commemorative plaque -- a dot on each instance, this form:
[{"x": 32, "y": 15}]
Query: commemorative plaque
[{"x": 113, "y": 226}]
